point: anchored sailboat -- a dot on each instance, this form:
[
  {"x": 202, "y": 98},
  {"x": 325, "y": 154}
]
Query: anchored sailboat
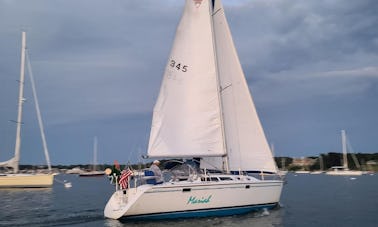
[
  {"x": 204, "y": 111},
  {"x": 16, "y": 179},
  {"x": 94, "y": 172},
  {"x": 344, "y": 169}
]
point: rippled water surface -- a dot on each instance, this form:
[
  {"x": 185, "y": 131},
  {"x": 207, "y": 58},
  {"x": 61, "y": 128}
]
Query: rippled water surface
[{"x": 308, "y": 200}]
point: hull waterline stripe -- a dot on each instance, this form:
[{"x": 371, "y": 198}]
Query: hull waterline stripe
[{"x": 201, "y": 213}]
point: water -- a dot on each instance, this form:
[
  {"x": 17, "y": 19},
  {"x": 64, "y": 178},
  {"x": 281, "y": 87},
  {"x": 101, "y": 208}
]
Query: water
[{"x": 308, "y": 200}]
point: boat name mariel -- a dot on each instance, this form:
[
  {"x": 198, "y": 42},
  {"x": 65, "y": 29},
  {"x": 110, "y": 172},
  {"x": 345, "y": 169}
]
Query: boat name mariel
[{"x": 194, "y": 200}]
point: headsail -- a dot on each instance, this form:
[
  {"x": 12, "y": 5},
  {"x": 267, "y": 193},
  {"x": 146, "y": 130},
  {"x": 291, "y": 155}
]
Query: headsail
[
  {"x": 186, "y": 119},
  {"x": 247, "y": 147}
]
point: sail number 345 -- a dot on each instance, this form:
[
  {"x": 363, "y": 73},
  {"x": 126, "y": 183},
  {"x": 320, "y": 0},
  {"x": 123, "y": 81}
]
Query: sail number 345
[{"x": 178, "y": 66}]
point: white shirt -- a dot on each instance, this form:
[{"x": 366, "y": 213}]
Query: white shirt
[{"x": 157, "y": 172}]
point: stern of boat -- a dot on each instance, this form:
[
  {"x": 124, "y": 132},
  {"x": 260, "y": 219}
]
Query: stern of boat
[{"x": 121, "y": 201}]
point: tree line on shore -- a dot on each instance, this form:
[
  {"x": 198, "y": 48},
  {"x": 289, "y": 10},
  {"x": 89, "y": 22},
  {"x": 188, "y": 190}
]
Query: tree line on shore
[{"x": 328, "y": 160}]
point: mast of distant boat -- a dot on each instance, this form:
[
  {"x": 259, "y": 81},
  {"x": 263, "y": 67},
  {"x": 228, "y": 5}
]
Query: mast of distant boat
[
  {"x": 321, "y": 164},
  {"x": 344, "y": 146},
  {"x": 95, "y": 153},
  {"x": 21, "y": 100}
]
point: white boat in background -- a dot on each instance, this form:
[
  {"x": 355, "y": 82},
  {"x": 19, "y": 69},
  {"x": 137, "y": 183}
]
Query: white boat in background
[
  {"x": 341, "y": 170},
  {"x": 302, "y": 172},
  {"x": 75, "y": 170},
  {"x": 204, "y": 112},
  {"x": 344, "y": 169},
  {"x": 316, "y": 172},
  {"x": 16, "y": 180},
  {"x": 94, "y": 172}
]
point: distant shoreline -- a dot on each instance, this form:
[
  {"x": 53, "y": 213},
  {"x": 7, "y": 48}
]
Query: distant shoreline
[{"x": 368, "y": 162}]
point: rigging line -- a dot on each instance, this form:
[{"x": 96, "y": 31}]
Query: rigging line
[
  {"x": 14, "y": 121},
  {"x": 44, "y": 143},
  {"x": 356, "y": 162}
]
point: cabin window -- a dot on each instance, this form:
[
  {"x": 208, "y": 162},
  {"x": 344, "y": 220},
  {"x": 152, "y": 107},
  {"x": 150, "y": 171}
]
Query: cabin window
[
  {"x": 209, "y": 179},
  {"x": 225, "y": 178}
]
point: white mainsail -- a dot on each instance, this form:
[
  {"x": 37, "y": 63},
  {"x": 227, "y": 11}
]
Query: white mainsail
[
  {"x": 247, "y": 147},
  {"x": 186, "y": 119}
]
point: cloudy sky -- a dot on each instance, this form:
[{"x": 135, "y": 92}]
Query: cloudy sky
[{"x": 312, "y": 68}]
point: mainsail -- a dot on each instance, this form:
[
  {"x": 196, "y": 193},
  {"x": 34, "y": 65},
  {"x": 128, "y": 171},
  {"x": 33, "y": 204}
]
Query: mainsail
[
  {"x": 204, "y": 108},
  {"x": 186, "y": 119}
]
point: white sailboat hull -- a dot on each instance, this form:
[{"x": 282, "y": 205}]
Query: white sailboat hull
[
  {"x": 92, "y": 174},
  {"x": 26, "y": 180},
  {"x": 344, "y": 173},
  {"x": 188, "y": 199}
]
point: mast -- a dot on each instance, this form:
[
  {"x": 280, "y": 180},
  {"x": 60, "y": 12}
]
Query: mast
[
  {"x": 321, "y": 163},
  {"x": 21, "y": 100},
  {"x": 226, "y": 165},
  {"x": 95, "y": 153},
  {"x": 344, "y": 146}
]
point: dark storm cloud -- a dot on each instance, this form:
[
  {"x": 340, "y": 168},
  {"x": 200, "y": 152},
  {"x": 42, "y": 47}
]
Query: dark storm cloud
[{"x": 311, "y": 66}]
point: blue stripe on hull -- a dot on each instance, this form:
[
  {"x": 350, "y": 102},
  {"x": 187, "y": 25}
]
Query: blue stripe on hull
[{"x": 201, "y": 213}]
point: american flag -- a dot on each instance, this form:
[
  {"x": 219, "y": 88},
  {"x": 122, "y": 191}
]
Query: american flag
[{"x": 124, "y": 179}]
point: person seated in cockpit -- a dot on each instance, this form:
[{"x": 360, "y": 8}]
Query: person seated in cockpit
[{"x": 157, "y": 172}]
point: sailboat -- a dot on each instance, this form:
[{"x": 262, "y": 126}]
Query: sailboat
[
  {"x": 16, "y": 179},
  {"x": 344, "y": 169},
  {"x": 204, "y": 115},
  {"x": 94, "y": 172}
]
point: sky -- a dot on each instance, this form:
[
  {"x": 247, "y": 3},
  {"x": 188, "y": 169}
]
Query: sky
[{"x": 311, "y": 66}]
